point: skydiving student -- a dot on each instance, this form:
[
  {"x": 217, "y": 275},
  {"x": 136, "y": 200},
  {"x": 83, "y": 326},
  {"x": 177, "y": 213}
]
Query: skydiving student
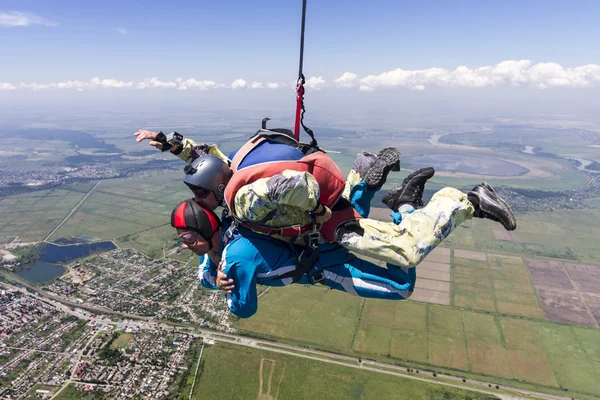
[{"x": 249, "y": 258}]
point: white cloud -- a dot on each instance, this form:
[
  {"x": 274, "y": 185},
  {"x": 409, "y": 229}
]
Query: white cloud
[
  {"x": 507, "y": 73},
  {"x": 34, "y": 86},
  {"x": 10, "y": 19},
  {"x": 155, "y": 83},
  {"x": 238, "y": 84},
  {"x": 92, "y": 83},
  {"x": 193, "y": 84},
  {"x": 122, "y": 31},
  {"x": 314, "y": 82},
  {"x": 511, "y": 73},
  {"x": 347, "y": 80},
  {"x": 110, "y": 83}
]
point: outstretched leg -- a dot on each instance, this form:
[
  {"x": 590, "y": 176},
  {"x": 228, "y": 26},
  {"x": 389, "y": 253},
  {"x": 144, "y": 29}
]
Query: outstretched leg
[{"x": 419, "y": 232}]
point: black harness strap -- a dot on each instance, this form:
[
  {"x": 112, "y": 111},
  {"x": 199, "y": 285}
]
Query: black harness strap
[{"x": 306, "y": 262}]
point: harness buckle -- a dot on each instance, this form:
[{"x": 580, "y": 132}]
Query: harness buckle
[
  {"x": 313, "y": 239},
  {"x": 316, "y": 275},
  {"x": 229, "y": 233}
]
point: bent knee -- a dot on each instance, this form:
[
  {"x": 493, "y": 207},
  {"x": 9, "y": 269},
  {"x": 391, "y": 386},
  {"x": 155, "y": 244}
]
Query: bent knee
[{"x": 413, "y": 257}]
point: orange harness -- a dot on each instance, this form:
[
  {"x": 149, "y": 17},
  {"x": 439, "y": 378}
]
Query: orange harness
[{"x": 320, "y": 165}]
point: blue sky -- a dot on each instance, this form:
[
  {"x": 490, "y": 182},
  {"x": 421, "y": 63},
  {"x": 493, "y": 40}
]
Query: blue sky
[{"x": 258, "y": 40}]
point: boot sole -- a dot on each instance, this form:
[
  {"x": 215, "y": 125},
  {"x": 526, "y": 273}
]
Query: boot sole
[
  {"x": 387, "y": 160},
  {"x": 491, "y": 197}
]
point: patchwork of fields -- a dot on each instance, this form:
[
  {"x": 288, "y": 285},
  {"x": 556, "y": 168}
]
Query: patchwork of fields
[
  {"x": 496, "y": 324},
  {"x": 528, "y": 350}
]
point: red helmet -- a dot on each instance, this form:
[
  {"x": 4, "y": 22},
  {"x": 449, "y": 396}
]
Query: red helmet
[{"x": 189, "y": 215}]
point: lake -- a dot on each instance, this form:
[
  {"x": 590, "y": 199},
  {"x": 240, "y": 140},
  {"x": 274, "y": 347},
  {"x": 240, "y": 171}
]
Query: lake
[
  {"x": 41, "y": 271},
  {"x": 46, "y": 267},
  {"x": 52, "y": 253}
]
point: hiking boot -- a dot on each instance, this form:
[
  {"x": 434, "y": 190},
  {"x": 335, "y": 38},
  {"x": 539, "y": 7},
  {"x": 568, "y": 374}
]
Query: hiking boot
[
  {"x": 489, "y": 205},
  {"x": 411, "y": 190},
  {"x": 388, "y": 160}
]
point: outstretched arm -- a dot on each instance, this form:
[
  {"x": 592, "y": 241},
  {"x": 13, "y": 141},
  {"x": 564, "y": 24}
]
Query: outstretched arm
[{"x": 189, "y": 150}]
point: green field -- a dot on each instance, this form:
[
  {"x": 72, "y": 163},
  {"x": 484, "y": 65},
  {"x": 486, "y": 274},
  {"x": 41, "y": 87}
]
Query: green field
[
  {"x": 134, "y": 212},
  {"x": 266, "y": 375},
  {"x": 33, "y": 216},
  {"x": 500, "y": 284},
  {"x": 122, "y": 341},
  {"x": 487, "y": 344},
  {"x": 564, "y": 234},
  {"x": 494, "y": 329},
  {"x": 71, "y": 393}
]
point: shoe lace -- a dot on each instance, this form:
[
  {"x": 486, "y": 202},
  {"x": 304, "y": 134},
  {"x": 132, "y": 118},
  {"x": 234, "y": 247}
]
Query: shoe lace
[{"x": 419, "y": 197}]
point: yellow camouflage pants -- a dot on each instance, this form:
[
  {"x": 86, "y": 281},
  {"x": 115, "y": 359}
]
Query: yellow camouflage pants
[{"x": 419, "y": 232}]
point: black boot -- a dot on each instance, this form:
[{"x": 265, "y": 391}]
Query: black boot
[
  {"x": 411, "y": 190},
  {"x": 388, "y": 160},
  {"x": 489, "y": 205}
]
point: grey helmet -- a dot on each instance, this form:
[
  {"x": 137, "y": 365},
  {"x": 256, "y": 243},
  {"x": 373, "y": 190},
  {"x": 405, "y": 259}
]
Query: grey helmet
[{"x": 206, "y": 174}]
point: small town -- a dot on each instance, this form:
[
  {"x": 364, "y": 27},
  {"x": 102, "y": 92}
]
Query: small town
[
  {"x": 128, "y": 282},
  {"x": 45, "y": 349}
]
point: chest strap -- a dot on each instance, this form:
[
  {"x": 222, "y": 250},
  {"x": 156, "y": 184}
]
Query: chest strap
[{"x": 306, "y": 262}]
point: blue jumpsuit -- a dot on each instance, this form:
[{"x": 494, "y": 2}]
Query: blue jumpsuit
[{"x": 250, "y": 259}]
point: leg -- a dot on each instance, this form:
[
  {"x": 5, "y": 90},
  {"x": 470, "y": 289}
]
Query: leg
[
  {"x": 419, "y": 232},
  {"x": 367, "y": 176},
  {"x": 362, "y": 278}
]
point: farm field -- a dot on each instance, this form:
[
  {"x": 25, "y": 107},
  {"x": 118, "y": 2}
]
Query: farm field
[
  {"x": 132, "y": 212},
  {"x": 31, "y": 217},
  {"x": 520, "y": 307},
  {"x": 267, "y": 375},
  {"x": 562, "y": 234},
  {"x": 488, "y": 330}
]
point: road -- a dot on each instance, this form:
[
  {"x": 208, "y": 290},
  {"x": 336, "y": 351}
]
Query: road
[{"x": 72, "y": 211}]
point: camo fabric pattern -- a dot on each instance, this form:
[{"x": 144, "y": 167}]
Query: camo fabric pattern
[
  {"x": 413, "y": 239},
  {"x": 191, "y": 150},
  {"x": 281, "y": 200}
]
